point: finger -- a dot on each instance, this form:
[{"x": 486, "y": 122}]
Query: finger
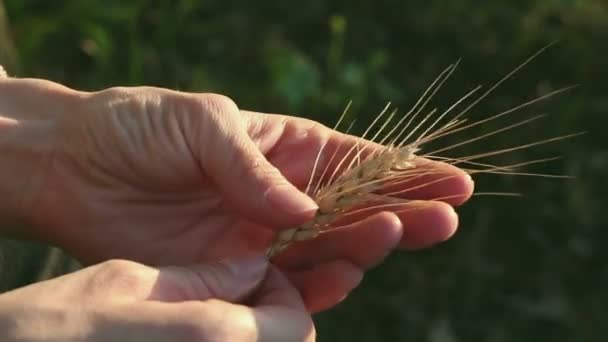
[
  {"x": 304, "y": 145},
  {"x": 279, "y": 311},
  {"x": 277, "y": 290},
  {"x": 326, "y": 153},
  {"x": 231, "y": 280},
  {"x": 434, "y": 181},
  {"x": 364, "y": 243},
  {"x": 427, "y": 223},
  {"x": 326, "y": 285},
  {"x": 249, "y": 182},
  {"x": 211, "y": 320},
  {"x": 274, "y": 313}
]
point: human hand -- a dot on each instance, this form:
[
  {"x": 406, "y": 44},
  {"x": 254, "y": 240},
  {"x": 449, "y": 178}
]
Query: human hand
[
  {"x": 125, "y": 301},
  {"x": 165, "y": 177}
]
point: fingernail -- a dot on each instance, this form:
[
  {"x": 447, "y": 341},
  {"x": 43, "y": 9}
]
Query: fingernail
[{"x": 290, "y": 200}]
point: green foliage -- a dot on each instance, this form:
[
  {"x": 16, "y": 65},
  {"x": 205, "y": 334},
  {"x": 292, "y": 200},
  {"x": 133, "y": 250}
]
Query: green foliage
[{"x": 530, "y": 269}]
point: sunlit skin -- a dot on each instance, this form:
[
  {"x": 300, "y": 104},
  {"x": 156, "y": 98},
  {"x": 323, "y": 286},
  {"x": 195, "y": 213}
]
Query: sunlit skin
[
  {"x": 119, "y": 300},
  {"x": 164, "y": 178},
  {"x": 176, "y": 182}
]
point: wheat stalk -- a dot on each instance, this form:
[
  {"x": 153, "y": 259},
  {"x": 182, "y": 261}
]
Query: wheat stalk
[{"x": 367, "y": 178}]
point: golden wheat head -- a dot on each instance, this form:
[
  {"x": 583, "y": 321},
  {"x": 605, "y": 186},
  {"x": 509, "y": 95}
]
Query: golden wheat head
[{"x": 367, "y": 179}]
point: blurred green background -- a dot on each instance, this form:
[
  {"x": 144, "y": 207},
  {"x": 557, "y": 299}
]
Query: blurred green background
[{"x": 520, "y": 269}]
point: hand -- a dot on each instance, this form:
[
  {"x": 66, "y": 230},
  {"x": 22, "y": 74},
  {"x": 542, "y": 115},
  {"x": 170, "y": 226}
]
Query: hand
[
  {"x": 165, "y": 177},
  {"x": 120, "y": 300}
]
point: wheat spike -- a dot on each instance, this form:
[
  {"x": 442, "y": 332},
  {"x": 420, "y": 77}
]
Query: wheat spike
[{"x": 363, "y": 182}]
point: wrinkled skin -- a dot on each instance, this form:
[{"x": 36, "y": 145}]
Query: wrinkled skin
[
  {"x": 168, "y": 178},
  {"x": 120, "y": 300}
]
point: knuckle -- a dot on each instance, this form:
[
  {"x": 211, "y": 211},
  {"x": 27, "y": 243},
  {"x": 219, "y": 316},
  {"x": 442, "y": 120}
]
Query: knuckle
[
  {"x": 120, "y": 275},
  {"x": 113, "y": 92},
  {"x": 207, "y": 110},
  {"x": 215, "y": 104},
  {"x": 314, "y": 126},
  {"x": 220, "y": 103},
  {"x": 117, "y": 266},
  {"x": 318, "y": 131}
]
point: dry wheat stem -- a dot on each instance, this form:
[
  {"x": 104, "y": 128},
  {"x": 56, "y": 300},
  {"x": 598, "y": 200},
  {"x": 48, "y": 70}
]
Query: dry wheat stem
[{"x": 362, "y": 182}]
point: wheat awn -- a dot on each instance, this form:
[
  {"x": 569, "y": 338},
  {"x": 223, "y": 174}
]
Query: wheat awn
[{"x": 364, "y": 181}]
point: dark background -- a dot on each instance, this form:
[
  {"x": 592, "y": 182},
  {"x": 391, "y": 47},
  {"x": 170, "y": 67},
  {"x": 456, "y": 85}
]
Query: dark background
[{"x": 520, "y": 269}]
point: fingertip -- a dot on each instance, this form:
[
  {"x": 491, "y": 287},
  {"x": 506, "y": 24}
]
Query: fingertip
[
  {"x": 389, "y": 228},
  {"x": 352, "y": 274},
  {"x": 451, "y": 220},
  {"x": 434, "y": 222},
  {"x": 444, "y": 182},
  {"x": 463, "y": 187},
  {"x": 394, "y": 225}
]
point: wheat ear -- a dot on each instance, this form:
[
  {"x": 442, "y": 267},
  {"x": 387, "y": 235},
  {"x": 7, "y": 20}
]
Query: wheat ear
[{"x": 366, "y": 179}]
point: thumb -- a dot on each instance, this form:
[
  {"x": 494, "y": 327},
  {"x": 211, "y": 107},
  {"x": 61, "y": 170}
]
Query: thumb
[
  {"x": 249, "y": 182},
  {"x": 231, "y": 280},
  {"x": 259, "y": 191}
]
